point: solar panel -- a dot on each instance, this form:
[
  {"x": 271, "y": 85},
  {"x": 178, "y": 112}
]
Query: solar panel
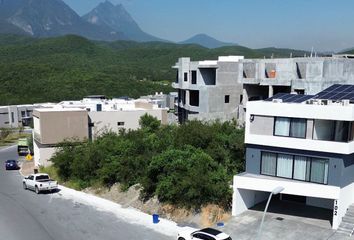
[
  {"x": 290, "y": 98},
  {"x": 337, "y": 92}
]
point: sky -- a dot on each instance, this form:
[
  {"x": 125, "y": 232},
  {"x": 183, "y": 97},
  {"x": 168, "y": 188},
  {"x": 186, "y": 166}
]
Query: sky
[{"x": 325, "y": 25}]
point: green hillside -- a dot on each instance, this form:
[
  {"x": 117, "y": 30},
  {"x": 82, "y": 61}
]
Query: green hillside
[{"x": 70, "y": 67}]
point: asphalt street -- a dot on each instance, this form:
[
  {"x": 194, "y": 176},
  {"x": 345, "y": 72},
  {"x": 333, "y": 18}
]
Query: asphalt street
[{"x": 26, "y": 215}]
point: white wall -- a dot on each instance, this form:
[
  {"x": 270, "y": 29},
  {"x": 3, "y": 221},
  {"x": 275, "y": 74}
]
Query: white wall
[
  {"x": 109, "y": 120},
  {"x": 243, "y": 199},
  {"x": 331, "y": 112},
  {"x": 36, "y": 153},
  {"x": 267, "y": 184},
  {"x": 36, "y": 125},
  {"x": 42, "y": 154},
  {"x": 344, "y": 201}
]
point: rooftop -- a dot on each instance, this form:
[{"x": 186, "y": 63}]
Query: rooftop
[{"x": 335, "y": 94}]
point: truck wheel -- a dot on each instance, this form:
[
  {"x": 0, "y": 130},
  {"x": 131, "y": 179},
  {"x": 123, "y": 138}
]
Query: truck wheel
[
  {"x": 181, "y": 238},
  {"x": 36, "y": 190},
  {"x": 24, "y": 186}
]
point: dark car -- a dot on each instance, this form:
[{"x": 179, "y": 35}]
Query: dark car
[{"x": 11, "y": 165}]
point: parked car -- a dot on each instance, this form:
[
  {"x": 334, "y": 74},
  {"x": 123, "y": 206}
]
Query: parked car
[
  {"x": 11, "y": 165},
  {"x": 39, "y": 182},
  {"x": 203, "y": 234}
]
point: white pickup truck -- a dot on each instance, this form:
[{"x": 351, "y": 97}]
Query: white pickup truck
[{"x": 39, "y": 182}]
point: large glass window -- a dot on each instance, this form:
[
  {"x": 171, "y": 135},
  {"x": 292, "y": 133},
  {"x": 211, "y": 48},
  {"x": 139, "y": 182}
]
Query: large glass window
[
  {"x": 341, "y": 131},
  {"x": 301, "y": 168},
  {"x": 282, "y": 126},
  {"x": 290, "y": 127},
  {"x": 268, "y": 163},
  {"x": 329, "y": 130},
  {"x": 285, "y": 165},
  {"x": 323, "y": 130},
  {"x": 298, "y": 128},
  {"x": 319, "y": 170},
  {"x": 295, "y": 167}
]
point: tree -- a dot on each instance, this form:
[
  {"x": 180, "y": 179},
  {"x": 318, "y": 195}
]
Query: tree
[
  {"x": 187, "y": 177},
  {"x": 149, "y": 123}
]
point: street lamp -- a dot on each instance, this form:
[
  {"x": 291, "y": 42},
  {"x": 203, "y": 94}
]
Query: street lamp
[{"x": 275, "y": 191}]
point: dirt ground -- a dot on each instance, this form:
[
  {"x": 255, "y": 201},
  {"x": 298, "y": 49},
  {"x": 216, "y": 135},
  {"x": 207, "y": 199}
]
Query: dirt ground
[
  {"x": 208, "y": 216},
  {"x": 27, "y": 167}
]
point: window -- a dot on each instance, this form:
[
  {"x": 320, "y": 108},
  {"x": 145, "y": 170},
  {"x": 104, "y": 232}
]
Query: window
[
  {"x": 290, "y": 127},
  {"x": 296, "y": 167},
  {"x": 329, "y": 130},
  {"x": 285, "y": 165},
  {"x": 185, "y": 77},
  {"x": 194, "y": 77},
  {"x": 341, "y": 131},
  {"x": 120, "y": 123},
  {"x": 12, "y": 117},
  {"x": 23, "y": 114},
  {"x": 269, "y": 161},
  {"x": 202, "y": 236},
  {"x": 298, "y": 128},
  {"x": 227, "y": 98},
  {"x": 282, "y": 126},
  {"x": 301, "y": 168},
  {"x": 194, "y": 98},
  {"x": 319, "y": 170}
]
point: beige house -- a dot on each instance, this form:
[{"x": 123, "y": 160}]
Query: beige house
[
  {"x": 61, "y": 122},
  {"x": 54, "y": 125}
]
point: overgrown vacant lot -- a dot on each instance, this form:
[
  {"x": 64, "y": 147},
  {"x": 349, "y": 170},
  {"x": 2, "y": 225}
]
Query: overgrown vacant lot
[{"x": 190, "y": 165}]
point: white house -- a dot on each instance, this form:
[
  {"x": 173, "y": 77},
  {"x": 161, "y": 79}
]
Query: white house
[{"x": 305, "y": 145}]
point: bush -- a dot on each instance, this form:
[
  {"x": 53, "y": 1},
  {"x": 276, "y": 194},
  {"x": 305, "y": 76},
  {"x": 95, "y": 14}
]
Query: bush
[
  {"x": 188, "y": 165},
  {"x": 188, "y": 177}
]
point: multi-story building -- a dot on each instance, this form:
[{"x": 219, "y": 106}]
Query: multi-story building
[
  {"x": 54, "y": 125},
  {"x": 303, "y": 143},
  {"x": 221, "y": 89},
  {"x": 208, "y": 89},
  {"x": 86, "y": 119},
  {"x": 15, "y": 116}
]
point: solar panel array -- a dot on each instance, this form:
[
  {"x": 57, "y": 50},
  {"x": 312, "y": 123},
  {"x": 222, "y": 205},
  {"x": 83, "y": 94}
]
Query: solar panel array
[
  {"x": 290, "y": 98},
  {"x": 337, "y": 92}
]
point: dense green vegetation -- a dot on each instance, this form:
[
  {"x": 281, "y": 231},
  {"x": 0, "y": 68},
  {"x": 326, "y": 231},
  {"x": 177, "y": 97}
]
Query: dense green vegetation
[
  {"x": 188, "y": 165},
  {"x": 71, "y": 67}
]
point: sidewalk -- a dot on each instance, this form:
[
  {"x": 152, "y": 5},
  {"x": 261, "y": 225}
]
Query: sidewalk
[{"x": 27, "y": 167}]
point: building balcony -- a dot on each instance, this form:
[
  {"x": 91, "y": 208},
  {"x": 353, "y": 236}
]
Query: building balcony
[
  {"x": 251, "y": 80},
  {"x": 301, "y": 143},
  {"x": 263, "y": 183},
  {"x": 276, "y": 81}
]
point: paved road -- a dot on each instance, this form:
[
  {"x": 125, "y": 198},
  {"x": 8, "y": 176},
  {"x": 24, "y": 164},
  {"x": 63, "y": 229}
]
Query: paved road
[{"x": 26, "y": 215}]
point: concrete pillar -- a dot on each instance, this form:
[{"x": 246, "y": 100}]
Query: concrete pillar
[
  {"x": 336, "y": 215},
  {"x": 270, "y": 91},
  {"x": 245, "y": 96},
  {"x": 187, "y": 97}
]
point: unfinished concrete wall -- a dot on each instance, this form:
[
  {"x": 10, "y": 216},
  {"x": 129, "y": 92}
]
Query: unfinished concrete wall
[{"x": 249, "y": 70}]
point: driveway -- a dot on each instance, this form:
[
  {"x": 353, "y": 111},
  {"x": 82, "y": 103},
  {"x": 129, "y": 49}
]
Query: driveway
[{"x": 285, "y": 221}]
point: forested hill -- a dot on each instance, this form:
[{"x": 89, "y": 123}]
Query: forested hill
[{"x": 70, "y": 67}]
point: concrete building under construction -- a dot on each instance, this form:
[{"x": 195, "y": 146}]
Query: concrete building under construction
[{"x": 220, "y": 89}]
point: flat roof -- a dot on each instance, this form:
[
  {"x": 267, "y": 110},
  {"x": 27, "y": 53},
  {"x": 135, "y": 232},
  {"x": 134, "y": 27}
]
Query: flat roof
[{"x": 60, "y": 110}]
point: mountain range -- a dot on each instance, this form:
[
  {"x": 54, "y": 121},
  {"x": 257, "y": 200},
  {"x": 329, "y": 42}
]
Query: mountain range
[
  {"x": 107, "y": 22},
  {"x": 206, "y": 41}
]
